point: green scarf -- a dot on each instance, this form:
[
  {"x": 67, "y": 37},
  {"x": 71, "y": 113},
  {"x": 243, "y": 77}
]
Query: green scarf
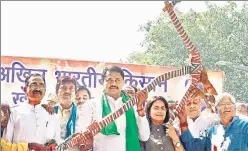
[{"x": 132, "y": 139}]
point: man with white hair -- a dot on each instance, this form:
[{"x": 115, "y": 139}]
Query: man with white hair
[{"x": 231, "y": 134}]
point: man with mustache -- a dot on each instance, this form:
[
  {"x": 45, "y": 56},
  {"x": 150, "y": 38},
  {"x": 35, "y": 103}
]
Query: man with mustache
[
  {"x": 124, "y": 133},
  {"x": 229, "y": 135},
  {"x": 198, "y": 123},
  {"x": 30, "y": 122},
  {"x": 7, "y": 146},
  {"x": 67, "y": 110}
]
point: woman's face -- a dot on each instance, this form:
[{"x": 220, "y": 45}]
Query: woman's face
[{"x": 158, "y": 110}]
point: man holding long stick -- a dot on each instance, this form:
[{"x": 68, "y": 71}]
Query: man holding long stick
[{"x": 124, "y": 133}]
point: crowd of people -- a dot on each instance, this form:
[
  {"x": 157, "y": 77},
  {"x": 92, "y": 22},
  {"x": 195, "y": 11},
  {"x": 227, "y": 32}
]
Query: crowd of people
[{"x": 207, "y": 122}]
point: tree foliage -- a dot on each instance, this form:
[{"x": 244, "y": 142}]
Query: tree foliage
[{"x": 220, "y": 33}]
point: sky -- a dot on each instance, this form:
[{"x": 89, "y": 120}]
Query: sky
[{"x": 79, "y": 30}]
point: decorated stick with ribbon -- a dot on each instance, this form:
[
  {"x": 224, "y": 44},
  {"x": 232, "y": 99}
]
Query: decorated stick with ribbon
[
  {"x": 196, "y": 62},
  {"x": 76, "y": 140}
]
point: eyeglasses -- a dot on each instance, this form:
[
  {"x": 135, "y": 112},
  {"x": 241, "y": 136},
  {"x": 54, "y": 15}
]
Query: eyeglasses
[
  {"x": 221, "y": 105},
  {"x": 34, "y": 86},
  {"x": 110, "y": 81}
]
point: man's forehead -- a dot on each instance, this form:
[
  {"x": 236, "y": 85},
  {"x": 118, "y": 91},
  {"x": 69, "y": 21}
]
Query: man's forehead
[
  {"x": 68, "y": 84},
  {"x": 83, "y": 92},
  {"x": 36, "y": 79},
  {"x": 226, "y": 99},
  {"x": 196, "y": 99},
  {"x": 113, "y": 74}
]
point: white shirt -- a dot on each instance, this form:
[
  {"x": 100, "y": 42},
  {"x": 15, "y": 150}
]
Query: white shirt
[
  {"x": 32, "y": 125},
  {"x": 201, "y": 124},
  {"x": 64, "y": 116},
  {"x": 92, "y": 111}
]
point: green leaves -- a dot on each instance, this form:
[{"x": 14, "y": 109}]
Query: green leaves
[{"x": 220, "y": 33}]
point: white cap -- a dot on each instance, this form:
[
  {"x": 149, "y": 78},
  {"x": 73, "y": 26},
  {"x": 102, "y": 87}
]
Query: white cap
[{"x": 220, "y": 97}]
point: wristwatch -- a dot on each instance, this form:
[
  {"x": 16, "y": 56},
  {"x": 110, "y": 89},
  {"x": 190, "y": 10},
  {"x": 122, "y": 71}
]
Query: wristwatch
[{"x": 178, "y": 144}]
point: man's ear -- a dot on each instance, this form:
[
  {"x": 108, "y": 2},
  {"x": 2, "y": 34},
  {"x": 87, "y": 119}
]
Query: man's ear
[{"x": 25, "y": 89}]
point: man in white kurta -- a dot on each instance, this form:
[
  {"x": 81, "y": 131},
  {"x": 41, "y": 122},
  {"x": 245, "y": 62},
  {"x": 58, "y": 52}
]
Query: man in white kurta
[
  {"x": 197, "y": 122},
  {"x": 113, "y": 79},
  {"x": 199, "y": 126},
  {"x": 30, "y": 122},
  {"x": 92, "y": 111}
]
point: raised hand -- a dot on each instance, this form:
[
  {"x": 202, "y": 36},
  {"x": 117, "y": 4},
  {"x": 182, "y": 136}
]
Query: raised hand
[
  {"x": 197, "y": 92},
  {"x": 182, "y": 114},
  {"x": 204, "y": 77},
  {"x": 171, "y": 132},
  {"x": 142, "y": 97}
]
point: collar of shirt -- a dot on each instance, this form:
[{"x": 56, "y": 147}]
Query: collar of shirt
[
  {"x": 198, "y": 119},
  {"x": 114, "y": 101},
  {"x": 65, "y": 112},
  {"x": 155, "y": 127},
  {"x": 32, "y": 107}
]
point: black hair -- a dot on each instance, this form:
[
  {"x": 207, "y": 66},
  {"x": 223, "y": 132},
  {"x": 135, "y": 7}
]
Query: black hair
[
  {"x": 65, "y": 79},
  {"x": 80, "y": 88},
  {"x": 148, "y": 111},
  {"x": 34, "y": 75},
  {"x": 111, "y": 69}
]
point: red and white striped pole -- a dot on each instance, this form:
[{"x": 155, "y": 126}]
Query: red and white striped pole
[{"x": 196, "y": 61}]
